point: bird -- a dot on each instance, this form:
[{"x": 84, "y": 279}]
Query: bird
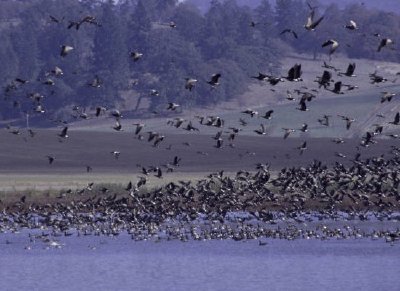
[
  {"x": 324, "y": 120},
  {"x": 260, "y": 77},
  {"x": 250, "y": 112},
  {"x": 172, "y": 106},
  {"x": 334, "y": 45},
  {"x": 348, "y": 120},
  {"x": 214, "y": 80},
  {"x": 303, "y": 147},
  {"x": 65, "y": 50},
  {"x": 268, "y": 114},
  {"x": 352, "y": 25},
  {"x": 95, "y": 83},
  {"x": 139, "y": 127},
  {"x": 325, "y": 79},
  {"x": 350, "y": 70},
  {"x": 304, "y": 127},
  {"x": 396, "y": 120},
  {"x": 384, "y": 42},
  {"x": 294, "y": 73},
  {"x": 116, "y": 154},
  {"x": 311, "y": 24},
  {"x": 288, "y": 131},
  {"x": 63, "y": 133},
  {"x": 387, "y": 96},
  {"x": 288, "y": 30},
  {"x": 261, "y": 131},
  {"x": 190, "y": 82},
  {"x": 135, "y": 55},
  {"x": 51, "y": 159},
  {"x": 337, "y": 88},
  {"x": 117, "y": 126}
]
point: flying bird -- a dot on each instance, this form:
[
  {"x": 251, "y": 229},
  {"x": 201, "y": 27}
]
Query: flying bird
[{"x": 65, "y": 50}]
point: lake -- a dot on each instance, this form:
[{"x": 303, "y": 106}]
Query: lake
[{"x": 119, "y": 263}]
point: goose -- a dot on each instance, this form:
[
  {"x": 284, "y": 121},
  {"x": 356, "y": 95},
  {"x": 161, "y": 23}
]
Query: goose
[
  {"x": 214, "y": 80},
  {"x": 135, "y": 55},
  {"x": 116, "y": 114},
  {"x": 289, "y": 96},
  {"x": 116, "y": 154},
  {"x": 352, "y": 25},
  {"x": 100, "y": 110},
  {"x": 190, "y": 83},
  {"x": 250, "y": 112},
  {"x": 325, "y": 79},
  {"x": 139, "y": 127},
  {"x": 261, "y": 131},
  {"x": 303, "y": 147},
  {"x": 384, "y": 42},
  {"x": 65, "y": 50},
  {"x": 117, "y": 126},
  {"x": 396, "y": 120},
  {"x": 304, "y": 127},
  {"x": 334, "y": 44},
  {"x": 172, "y": 106},
  {"x": 337, "y": 88},
  {"x": 348, "y": 120},
  {"x": 350, "y": 70},
  {"x": 303, "y": 106},
  {"x": 311, "y": 24},
  {"x": 288, "y": 131},
  {"x": 51, "y": 159},
  {"x": 95, "y": 83},
  {"x": 63, "y": 133},
  {"x": 387, "y": 96},
  {"x": 287, "y": 30},
  {"x": 294, "y": 73},
  {"x": 268, "y": 114},
  {"x": 57, "y": 71},
  {"x": 260, "y": 77}
]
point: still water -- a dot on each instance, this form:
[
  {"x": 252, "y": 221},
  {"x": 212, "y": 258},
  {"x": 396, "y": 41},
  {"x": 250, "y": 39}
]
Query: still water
[{"x": 104, "y": 263}]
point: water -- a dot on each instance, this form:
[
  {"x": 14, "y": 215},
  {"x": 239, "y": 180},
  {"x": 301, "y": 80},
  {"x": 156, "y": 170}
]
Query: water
[{"x": 118, "y": 263}]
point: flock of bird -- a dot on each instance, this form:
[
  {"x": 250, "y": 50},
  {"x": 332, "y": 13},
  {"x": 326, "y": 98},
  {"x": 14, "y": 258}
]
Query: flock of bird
[{"x": 371, "y": 184}]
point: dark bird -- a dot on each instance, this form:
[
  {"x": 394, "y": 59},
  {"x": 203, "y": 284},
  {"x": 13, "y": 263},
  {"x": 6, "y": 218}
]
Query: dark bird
[
  {"x": 268, "y": 114},
  {"x": 350, "y": 70},
  {"x": 294, "y": 73},
  {"x": 304, "y": 127},
  {"x": 260, "y": 77},
  {"x": 387, "y": 96},
  {"x": 288, "y": 131},
  {"x": 136, "y": 56},
  {"x": 116, "y": 154},
  {"x": 95, "y": 83},
  {"x": 139, "y": 127},
  {"x": 172, "y": 106},
  {"x": 348, "y": 120},
  {"x": 333, "y": 45},
  {"x": 396, "y": 120},
  {"x": 287, "y": 30},
  {"x": 337, "y": 88},
  {"x": 250, "y": 112},
  {"x": 63, "y": 133},
  {"x": 325, "y": 120},
  {"x": 50, "y": 159},
  {"x": 65, "y": 50},
  {"x": 325, "y": 79},
  {"x": 384, "y": 42},
  {"x": 99, "y": 110},
  {"x": 214, "y": 80},
  {"x": 302, "y": 148},
  {"x": 261, "y": 131},
  {"x": 352, "y": 25},
  {"x": 190, "y": 83},
  {"x": 311, "y": 24}
]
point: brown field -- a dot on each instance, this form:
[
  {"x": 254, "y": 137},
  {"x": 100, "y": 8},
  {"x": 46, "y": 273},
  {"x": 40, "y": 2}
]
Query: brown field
[{"x": 23, "y": 162}]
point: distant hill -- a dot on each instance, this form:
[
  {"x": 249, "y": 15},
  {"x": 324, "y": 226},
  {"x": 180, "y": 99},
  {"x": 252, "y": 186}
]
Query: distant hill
[{"x": 386, "y": 5}]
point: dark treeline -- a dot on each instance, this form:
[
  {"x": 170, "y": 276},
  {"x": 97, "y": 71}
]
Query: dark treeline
[{"x": 177, "y": 42}]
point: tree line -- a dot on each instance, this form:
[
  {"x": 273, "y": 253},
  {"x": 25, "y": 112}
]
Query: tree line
[{"x": 175, "y": 40}]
